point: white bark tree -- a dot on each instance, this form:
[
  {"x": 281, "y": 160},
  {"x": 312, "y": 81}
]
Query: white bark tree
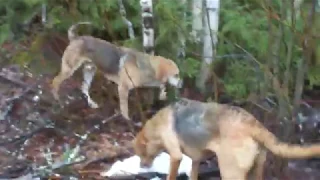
[
  {"x": 44, "y": 13},
  {"x": 181, "y": 54},
  {"x": 125, "y": 19},
  {"x": 297, "y": 4},
  {"x": 210, "y": 39},
  {"x": 147, "y": 26},
  {"x": 197, "y": 19}
]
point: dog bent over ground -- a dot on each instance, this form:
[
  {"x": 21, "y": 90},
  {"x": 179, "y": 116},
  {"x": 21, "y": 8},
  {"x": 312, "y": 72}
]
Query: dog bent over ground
[
  {"x": 234, "y": 135},
  {"x": 126, "y": 67}
]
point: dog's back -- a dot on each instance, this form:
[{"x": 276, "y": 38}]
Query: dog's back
[
  {"x": 197, "y": 123},
  {"x": 105, "y": 55},
  {"x": 191, "y": 122},
  {"x": 236, "y": 137}
]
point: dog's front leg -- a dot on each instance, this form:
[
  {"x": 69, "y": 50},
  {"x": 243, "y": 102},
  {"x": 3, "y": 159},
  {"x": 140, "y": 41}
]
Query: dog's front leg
[
  {"x": 259, "y": 165},
  {"x": 174, "y": 166},
  {"x": 195, "y": 170},
  {"x": 89, "y": 70},
  {"x": 163, "y": 93},
  {"x": 123, "y": 98},
  {"x": 172, "y": 145}
]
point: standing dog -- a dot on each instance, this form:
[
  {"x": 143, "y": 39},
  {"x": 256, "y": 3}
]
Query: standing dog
[
  {"x": 194, "y": 128},
  {"x": 126, "y": 67}
]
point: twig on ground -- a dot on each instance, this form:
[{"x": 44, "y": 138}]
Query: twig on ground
[
  {"x": 21, "y": 139},
  {"x": 15, "y": 81},
  {"x": 89, "y": 131},
  {"x": 70, "y": 156},
  {"x": 8, "y": 103},
  {"x": 89, "y": 171}
]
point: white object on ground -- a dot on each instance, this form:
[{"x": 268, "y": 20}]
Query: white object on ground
[{"x": 131, "y": 166}]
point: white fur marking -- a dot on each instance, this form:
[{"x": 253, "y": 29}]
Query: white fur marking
[
  {"x": 163, "y": 93},
  {"x": 174, "y": 81},
  {"x": 123, "y": 59},
  {"x": 88, "y": 74}
]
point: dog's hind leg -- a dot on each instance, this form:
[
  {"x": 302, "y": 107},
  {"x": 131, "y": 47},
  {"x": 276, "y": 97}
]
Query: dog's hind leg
[
  {"x": 194, "y": 169},
  {"x": 123, "y": 98},
  {"x": 258, "y": 170},
  {"x": 236, "y": 158},
  {"x": 70, "y": 63},
  {"x": 89, "y": 71},
  {"x": 64, "y": 74},
  {"x": 172, "y": 145}
]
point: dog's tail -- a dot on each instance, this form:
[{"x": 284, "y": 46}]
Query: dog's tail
[
  {"x": 71, "y": 34},
  {"x": 285, "y": 150}
]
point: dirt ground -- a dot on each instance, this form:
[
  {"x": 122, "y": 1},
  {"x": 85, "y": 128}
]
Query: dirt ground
[{"x": 38, "y": 135}]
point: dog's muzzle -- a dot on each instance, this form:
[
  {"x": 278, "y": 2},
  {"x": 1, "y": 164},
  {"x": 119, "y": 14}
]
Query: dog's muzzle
[{"x": 175, "y": 81}]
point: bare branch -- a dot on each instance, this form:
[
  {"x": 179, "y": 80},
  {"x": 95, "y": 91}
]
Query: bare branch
[
  {"x": 303, "y": 64},
  {"x": 290, "y": 49},
  {"x": 124, "y": 18}
]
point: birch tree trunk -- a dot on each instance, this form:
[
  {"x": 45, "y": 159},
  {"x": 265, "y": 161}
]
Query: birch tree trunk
[
  {"x": 147, "y": 26},
  {"x": 297, "y": 4},
  {"x": 124, "y": 18},
  {"x": 197, "y": 7},
  {"x": 44, "y": 13},
  {"x": 210, "y": 39},
  {"x": 182, "y": 39}
]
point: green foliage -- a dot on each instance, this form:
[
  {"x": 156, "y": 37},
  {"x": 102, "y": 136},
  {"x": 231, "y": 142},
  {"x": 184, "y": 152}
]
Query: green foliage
[
  {"x": 25, "y": 57},
  {"x": 5, "y": 32},
  {"x": 240, "y": 78},
  {"x": 248, "y": 29},
  {"x": 168, "y": 27},
  {"x": 243, "y": 23},
  {"x": 190, "y": 67},
  {"x": 11, "y": 21},
  {"x": 247, "y": 24},
  {"x": 314, "y": 75}
]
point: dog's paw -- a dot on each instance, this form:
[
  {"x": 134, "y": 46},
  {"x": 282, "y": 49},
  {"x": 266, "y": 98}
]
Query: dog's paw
[
  {"x": 125, "y": 116},
  {"x": 55, "y": 95},
  {"x": 93, "y": 105}
]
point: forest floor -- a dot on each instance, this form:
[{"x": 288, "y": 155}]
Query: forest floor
[
  {"x": 36, "y": 134},
  {"x": 35, "y": 131}
]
